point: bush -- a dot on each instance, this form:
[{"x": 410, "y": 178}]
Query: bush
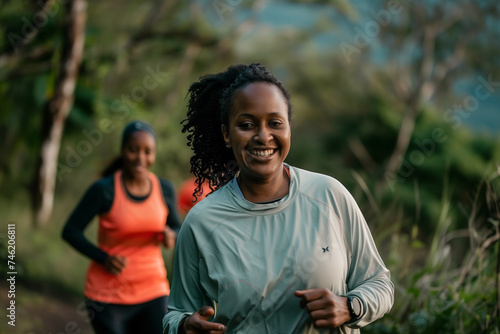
[{"x": 447, "y": 292}]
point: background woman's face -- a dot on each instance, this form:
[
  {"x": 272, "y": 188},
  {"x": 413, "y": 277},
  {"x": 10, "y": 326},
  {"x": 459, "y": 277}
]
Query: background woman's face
[
  {"x": 139, "y": 153},
  {"x": 259, "y": 130}
]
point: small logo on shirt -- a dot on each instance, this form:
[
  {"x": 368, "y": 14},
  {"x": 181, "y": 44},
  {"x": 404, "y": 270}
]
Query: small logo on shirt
[{"x": 326, "y": 249}]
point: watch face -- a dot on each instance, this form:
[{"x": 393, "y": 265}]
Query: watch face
[{"x": 356, "y": 306}]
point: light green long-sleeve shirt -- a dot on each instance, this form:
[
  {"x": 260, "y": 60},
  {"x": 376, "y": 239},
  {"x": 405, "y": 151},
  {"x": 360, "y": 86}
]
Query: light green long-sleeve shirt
[{"x": 247, "y": 259}]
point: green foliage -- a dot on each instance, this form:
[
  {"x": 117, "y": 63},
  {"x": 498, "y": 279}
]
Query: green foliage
[
  {"x": 452, "y": 288},
  {"x": 331, "y": 136}
]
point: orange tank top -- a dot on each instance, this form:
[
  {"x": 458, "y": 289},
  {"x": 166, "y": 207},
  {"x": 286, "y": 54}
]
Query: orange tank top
[{"x": 131, "y": 229}]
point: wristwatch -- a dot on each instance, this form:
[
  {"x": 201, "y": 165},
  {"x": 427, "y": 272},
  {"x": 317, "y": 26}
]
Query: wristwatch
[{"x": 354, "y": 306}]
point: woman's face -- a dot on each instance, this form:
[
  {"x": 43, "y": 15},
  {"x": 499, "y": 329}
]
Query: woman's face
[
  {"x": 139, "y": 153},
  {"x": 259, "y": 130}
]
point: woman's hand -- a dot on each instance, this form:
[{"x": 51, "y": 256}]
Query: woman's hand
[
  {"x": 198, "y": 323},
  {"x": 115, "y": 264},
  {"x": 325, "y": 308},
  {"x": 169, "y": 237}
]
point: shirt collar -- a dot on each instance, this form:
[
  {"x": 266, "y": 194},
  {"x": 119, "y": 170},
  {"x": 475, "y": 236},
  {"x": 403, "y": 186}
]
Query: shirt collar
[{"x": 236, "y": 196}]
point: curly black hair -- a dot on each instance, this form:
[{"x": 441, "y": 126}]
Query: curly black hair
[{"x": 210, "y": 101}]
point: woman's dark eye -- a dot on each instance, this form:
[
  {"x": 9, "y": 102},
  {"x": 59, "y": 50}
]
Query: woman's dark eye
[{"x": 246, "y": 125}]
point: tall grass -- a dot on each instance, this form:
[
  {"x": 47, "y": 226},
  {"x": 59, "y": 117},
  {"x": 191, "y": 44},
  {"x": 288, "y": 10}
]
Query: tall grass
[{"x": 452, "y": 284}]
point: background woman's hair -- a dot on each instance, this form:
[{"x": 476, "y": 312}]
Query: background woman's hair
[
  {"x": 210, "y": 101},
  {"x": 115, "y": 165}
]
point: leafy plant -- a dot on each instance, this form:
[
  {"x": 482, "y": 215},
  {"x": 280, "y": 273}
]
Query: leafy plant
[{"x": 454, "y": 286}]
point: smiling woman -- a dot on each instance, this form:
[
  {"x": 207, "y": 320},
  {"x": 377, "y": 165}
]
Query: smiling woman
[
  {"x": 126, "y": 288},
  {"x": 275, "y": 249}
]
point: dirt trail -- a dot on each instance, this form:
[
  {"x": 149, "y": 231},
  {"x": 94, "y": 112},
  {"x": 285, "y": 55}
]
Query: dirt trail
[{"x": 45, "y": 310}]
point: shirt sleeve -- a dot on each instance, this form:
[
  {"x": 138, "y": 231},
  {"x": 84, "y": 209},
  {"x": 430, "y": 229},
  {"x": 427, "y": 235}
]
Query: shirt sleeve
[
  {"x": 368, "y": 278},
  {"x": 173, "y": 219},
  {"x": 97, "y": 199},
  {"x": 187, "y": 294}
]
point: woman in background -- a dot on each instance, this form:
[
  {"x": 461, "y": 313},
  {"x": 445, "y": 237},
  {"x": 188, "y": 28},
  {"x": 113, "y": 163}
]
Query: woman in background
[{"x": 126, "y": 287}]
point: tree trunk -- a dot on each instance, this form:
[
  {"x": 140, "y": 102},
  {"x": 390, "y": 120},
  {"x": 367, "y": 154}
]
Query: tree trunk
[{"x": 56, "y": 111}]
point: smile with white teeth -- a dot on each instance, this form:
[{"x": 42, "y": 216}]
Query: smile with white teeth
[{"x": 262, "y": 153}]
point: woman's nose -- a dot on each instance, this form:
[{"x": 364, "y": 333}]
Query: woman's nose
[
  {"x": 141, "y": 156},
  {"x": 263, "y": 135}
]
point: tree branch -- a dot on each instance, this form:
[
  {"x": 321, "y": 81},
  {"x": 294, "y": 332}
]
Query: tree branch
[
  {"x": 159, "y": 7},
  {"x": 361, "y": 153},
  {"x": 56, "y": 111},
  {"x": 25, "y": 70}
]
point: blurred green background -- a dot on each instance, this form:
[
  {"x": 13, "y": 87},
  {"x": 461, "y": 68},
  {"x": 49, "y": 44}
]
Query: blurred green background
[{"x": 399, "y": 100}]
